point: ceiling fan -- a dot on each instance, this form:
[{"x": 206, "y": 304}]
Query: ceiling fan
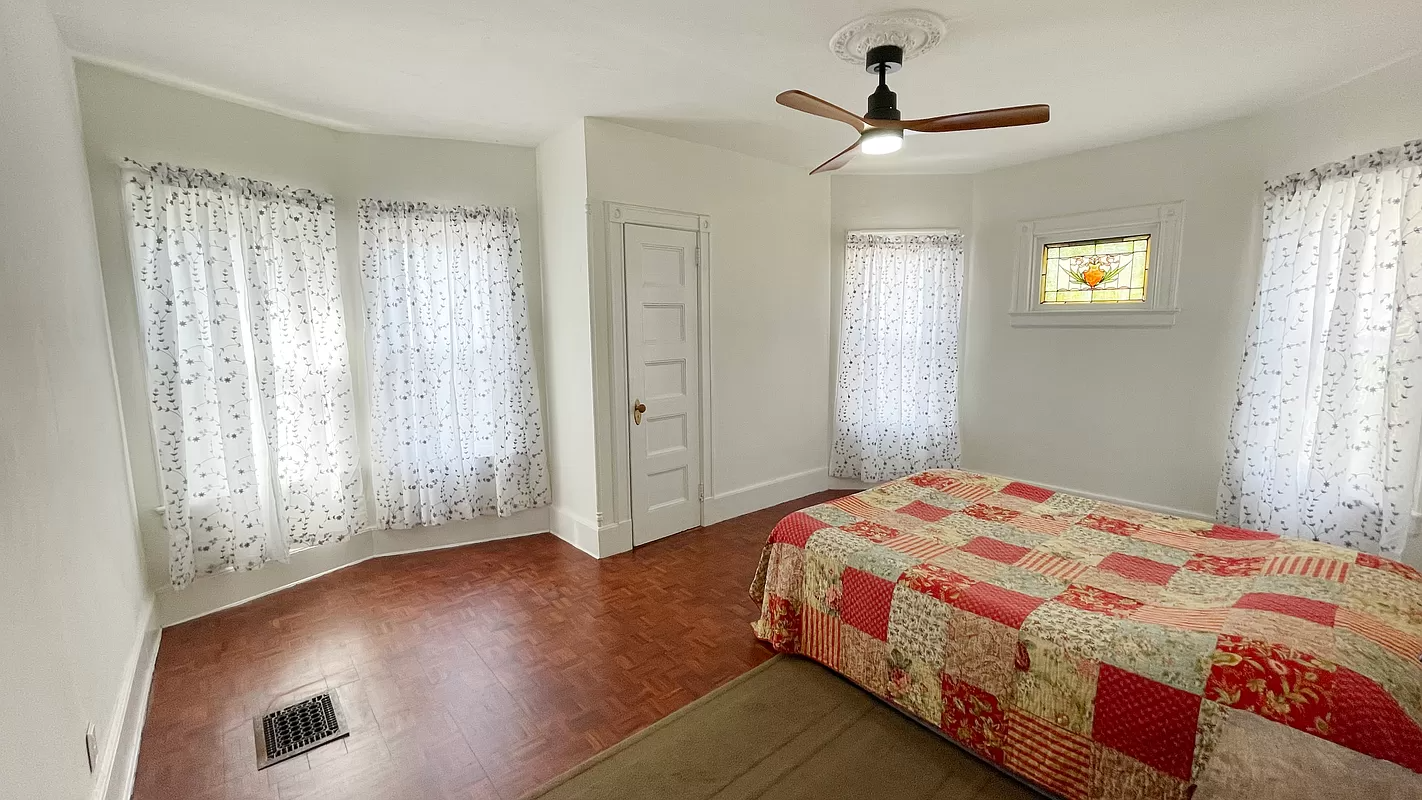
[{"x": 880, "y": 129}]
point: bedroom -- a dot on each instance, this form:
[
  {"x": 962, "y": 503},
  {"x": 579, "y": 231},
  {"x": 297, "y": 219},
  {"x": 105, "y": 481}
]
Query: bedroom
[{"x": 540, "y": 626}]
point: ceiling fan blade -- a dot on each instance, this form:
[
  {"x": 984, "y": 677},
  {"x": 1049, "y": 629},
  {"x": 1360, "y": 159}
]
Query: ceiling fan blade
[
  {"x": 978, "y": 120},
  {"x": 810, "y": 104},
  {"x": 839, "y": 160}
]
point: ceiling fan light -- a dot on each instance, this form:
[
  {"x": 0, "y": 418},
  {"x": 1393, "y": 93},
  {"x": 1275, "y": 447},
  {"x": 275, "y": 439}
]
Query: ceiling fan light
[{"x": 881, "y": 141}]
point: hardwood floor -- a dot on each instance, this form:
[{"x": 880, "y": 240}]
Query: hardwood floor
[{"x": 473, "y": 672}]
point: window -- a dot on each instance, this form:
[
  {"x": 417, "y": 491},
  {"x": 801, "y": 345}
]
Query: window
[
  {"x": 456, "y": 430},
  {"x": 1103, "y": 269},
  {"x": 1324, "y": 440},
  {"x": 248, "y": 373},
  {"x": 896, "y": 399},
  {"x": 1096, "y": 271}
]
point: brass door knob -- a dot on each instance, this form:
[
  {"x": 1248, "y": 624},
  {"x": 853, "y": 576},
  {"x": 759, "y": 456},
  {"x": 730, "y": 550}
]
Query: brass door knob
[{"x": 637, "y": 412}]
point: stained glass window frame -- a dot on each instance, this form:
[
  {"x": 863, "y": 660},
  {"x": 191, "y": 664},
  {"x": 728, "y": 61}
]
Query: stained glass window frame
[
  {"x": 1163, "y": 222},
  {"x": 1108, "y": 273}
]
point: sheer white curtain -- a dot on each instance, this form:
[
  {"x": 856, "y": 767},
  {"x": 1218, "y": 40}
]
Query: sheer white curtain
[
  {"x": 896, "y": 401},
  {"x": 1324, "y": 440},
  {"x": 456, "y": 428},
  {"x": 248, "y": 374}
]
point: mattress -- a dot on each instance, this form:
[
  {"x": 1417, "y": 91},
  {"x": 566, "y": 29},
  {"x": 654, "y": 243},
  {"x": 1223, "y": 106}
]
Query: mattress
[{"x": 1103, "y": 651}]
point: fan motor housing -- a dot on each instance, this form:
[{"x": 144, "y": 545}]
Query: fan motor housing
[{"x": 888, "y": 56}]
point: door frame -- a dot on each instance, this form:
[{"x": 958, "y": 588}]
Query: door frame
[{"x": 617, "y": 215}]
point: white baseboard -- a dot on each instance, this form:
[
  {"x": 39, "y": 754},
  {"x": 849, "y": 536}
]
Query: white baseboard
[
  {"x": 219, "y": 592},
  {"x": 763, "y": 495},
  {"x": 614, "y": 538},
  {"x": 118, "y": 757},
  {"x": 576, "y": 531}
]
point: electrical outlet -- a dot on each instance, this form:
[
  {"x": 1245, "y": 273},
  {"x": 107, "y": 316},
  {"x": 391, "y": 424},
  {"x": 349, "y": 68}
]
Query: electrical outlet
[{"x": 91, "y": 746}]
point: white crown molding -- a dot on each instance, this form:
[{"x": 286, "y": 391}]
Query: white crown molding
[{"x": 915, "y": 31}]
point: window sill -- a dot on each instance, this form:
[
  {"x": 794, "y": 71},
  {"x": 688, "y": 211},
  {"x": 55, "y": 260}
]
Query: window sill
[{"x": 1115, "y": 318}]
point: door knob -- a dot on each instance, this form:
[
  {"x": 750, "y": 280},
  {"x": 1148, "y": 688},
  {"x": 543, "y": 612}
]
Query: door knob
[{"x": 637, "y": 412}]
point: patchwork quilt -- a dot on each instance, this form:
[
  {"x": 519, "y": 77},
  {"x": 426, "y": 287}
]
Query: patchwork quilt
[{"x": 1101, "y": 651}]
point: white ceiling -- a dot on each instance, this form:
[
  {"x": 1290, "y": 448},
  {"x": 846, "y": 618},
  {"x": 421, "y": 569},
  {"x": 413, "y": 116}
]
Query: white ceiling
[{"x": 515, "y": 71}]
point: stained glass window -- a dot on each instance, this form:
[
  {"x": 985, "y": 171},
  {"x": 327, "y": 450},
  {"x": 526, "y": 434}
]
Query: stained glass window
[{"x": 1096, "y": 271}]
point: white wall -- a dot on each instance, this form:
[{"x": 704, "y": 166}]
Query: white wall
[
  {"x": 769, "y": 305},
  {"x": 1142, "y": 414},
  {"x": 76, "y": 606},
  {"x": 888, "y": 202},
  {"x": 126, "y": 116},
  {"x": 562, "y": 200}
]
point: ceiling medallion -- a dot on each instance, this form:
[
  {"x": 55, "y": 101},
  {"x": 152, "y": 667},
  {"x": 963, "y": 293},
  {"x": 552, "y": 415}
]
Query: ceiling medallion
[{"x": 915, "y": 31}]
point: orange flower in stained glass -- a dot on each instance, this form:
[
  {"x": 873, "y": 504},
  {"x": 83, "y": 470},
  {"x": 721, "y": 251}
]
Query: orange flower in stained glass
[{"x": 1094, "y": 270}]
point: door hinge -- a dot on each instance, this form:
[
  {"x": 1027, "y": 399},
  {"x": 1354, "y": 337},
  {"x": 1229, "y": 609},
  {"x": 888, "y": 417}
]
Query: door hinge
[{"x": 700, "y": 491}]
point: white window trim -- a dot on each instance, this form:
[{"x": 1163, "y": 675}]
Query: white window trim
[{"x": 1161, "y": 221}]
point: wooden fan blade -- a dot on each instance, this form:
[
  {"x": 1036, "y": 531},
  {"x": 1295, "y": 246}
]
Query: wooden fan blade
[
  {"x": 810, "y": 104},
  {"x": 977, "y": 120},
  {"x": 839, "y": 160}
]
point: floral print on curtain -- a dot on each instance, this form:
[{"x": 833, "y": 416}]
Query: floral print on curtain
[
  {"x": 896, "y": 399},
  {"x": 1324, "y": 441},
  {"x": 455, "y": 423},
  {"x": 248, "y": 373}
]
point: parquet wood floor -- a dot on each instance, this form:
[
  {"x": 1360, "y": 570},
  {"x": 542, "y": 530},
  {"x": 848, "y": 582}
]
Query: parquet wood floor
[{"x": 475, "y": 672}]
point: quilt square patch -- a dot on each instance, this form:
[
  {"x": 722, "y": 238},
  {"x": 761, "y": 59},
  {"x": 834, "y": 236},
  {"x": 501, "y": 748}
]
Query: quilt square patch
[
  {"x": 918, "y": 626},
  {"x": 1368, "y": 720},
  {"x": 981, "y": 652},
  {"x": 873, "y": 531},
  {"x": 1027, "y": 582},
  {"x": 1273, "y": 681},
  {"x": 924, "y": 511},
  {"x": 785, "y": 573},
  {"x": 819, "y": 636},
  {"x": 938, "y": 582},
  {"x": 1330, "y": 569},
  {"x": 1139, "y": 569},
  {"x": 1234, "y": 534},
  {"x": 882, "y": 561},
  {"x": 1006, "y": 606},
  {"x": 1115, "y": 775},
  {"x": 994, "y": 549},
  {"x": 1291, "y": 631},
  {"x": 1148, "y": 721},
  {"x": 864, "y": 660},
  {"x": 822, "y": 587},
  {"x": 989, "y": 513},
  {"x": 1027, "y": 491},
  {"x": 1301, "y": 607},
  {"x": 974, "y": 718},
  {"x": 1226, "y": 565},
  {"x": 1090, "y": 598},
  {"x": 921, "y": 548},
  {"x": 1118, "y": 527},
  {"x": 1388, "y": 565},
  {"x": 915, "y": 686},
  {"x": 1053, "y": 757},
  {"x": 866, "y": 602},
  {"x": 1052, "y": 565},
  {"x": 1067, "y": 505},
  {"x": 1085, "y": 633},
  {"x": 795, "y": 529},
  {"x": 1173, "y": 656},
  {"x": 1055, "y": 685},
  {"x": 831, "y": 516},
  {"x": 1037, "y": 523}
]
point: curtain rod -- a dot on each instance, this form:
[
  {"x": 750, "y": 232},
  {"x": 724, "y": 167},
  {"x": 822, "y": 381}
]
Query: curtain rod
[{"x": 903, "y": 232}]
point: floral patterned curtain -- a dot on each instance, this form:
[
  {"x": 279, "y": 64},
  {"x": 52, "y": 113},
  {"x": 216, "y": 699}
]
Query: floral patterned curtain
[
  {"x": 1324, "y": 442},
  {"x": 896, "y": 401},
  {"x": 456, "y": 428},
  {"x": 248, "y": 374}
]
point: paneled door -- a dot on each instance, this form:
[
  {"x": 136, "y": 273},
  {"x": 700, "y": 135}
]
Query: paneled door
[{"x": 663, "y": 380}]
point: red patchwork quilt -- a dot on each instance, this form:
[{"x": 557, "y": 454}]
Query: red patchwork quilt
[{"x": 1107, "y": 652}]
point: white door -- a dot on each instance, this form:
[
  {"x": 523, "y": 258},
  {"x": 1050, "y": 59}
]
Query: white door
[{"x": 663, "y": 380}]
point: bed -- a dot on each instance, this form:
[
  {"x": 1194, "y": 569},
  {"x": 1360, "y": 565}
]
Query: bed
[{"x": 1102, "y": 651}]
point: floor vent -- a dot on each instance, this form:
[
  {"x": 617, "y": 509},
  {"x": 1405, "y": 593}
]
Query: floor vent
[{"x": 299, "y": 727}]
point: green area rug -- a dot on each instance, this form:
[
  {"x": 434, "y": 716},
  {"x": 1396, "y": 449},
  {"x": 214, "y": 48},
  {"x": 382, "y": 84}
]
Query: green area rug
[{"x": 787, "y": 729}]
